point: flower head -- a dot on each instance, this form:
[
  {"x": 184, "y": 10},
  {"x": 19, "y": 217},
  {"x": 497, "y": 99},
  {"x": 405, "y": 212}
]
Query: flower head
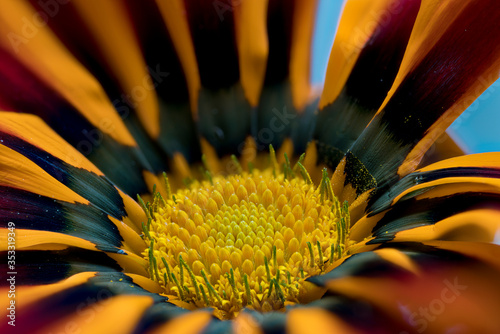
[{"x": 166, "y": 166}]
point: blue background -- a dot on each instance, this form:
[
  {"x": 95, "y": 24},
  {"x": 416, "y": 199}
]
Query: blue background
[{"x": 476, "y": 130}]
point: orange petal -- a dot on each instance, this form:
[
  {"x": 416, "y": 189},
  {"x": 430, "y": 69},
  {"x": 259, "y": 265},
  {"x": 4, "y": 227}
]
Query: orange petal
[
  {"x": 105, "y": 24},
  {"x": 360, "y": 16},
  {"x": 119, "y": 314},
  {"x": 190, "y": 323},
  {"x": 316, "y": 320},
  {"x": 448, "y": 64},
  {"x": 300, "y": 52},
  {"x": 253, "y": 46},
  {"x": 40, "y": 51}
]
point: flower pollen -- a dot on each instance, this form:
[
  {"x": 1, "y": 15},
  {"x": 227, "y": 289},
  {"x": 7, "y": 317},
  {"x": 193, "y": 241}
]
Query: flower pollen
[{"x": 245, "y": 240}]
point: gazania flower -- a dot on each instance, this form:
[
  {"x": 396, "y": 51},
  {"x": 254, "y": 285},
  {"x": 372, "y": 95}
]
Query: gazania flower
[{"x": 166, "y": 166}]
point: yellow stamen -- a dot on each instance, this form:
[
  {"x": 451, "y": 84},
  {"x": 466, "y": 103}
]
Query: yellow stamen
[{"x": 247, "y": 239}]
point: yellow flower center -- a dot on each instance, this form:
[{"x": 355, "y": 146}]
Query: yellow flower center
[{"x": 245, "y": 240}]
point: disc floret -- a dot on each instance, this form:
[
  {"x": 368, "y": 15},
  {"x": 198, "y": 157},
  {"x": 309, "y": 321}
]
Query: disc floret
[{"x": 245, "y": 240}]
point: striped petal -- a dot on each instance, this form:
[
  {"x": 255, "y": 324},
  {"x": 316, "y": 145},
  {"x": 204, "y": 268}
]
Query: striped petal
[
  {"x": 428, "y": 94},
  {"x": 64, "y": 75},
  {"x": 173, "y": 71},
  {"x": 287, "y": 103},
  {"x": 443, "y": 148},
  {"x": 63, "y": 92},
  {"x": 456, "y": 198},
  {"x": 51, "y": 266},
  {"x": 253, "y": 46},
  {"x": 449, "y": 292},
  {"x": 366, "y": 55},
  {"x": 152, "y": 92},
  {"x": 30, "y": 137},
  {"x": 476, "y": 168},
  {"x": 49, "y": 188},
  {"x": 87, "y": 299},
  {"x": 100, "y": 313},
  {"x": 221, "y": 93},
  {"x": 316, "y": 321},
  {"x": 131, "y": 71},
  {"x": 190, "y": 323},
  {"x": 36, "y": 144}
]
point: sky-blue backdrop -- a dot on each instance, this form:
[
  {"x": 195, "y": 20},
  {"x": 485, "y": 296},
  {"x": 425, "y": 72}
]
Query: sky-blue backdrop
[{"x": 476, "y": 130}]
